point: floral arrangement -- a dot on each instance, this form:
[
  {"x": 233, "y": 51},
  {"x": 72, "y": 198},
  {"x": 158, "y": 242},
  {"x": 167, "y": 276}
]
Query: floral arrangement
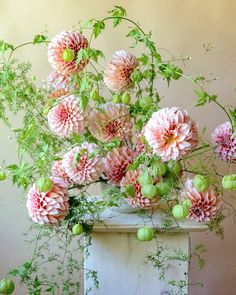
[{"x": 97, "y": 122}]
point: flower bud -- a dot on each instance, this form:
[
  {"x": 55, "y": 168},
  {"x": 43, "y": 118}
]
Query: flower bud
[{"x": 145, "y": 234}]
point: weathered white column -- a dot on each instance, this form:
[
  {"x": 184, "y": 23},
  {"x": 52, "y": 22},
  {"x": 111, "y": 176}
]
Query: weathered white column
[{"x": 119, "y": 258}]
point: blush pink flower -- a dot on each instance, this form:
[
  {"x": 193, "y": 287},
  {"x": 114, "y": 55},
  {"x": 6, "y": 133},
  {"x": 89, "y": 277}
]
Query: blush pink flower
[
  {"x": 48, "y": 207},
  {"x": 116, "y": 162},
  {"x": 138, "y": 200},
  {"x": 63, "y": 40},
  {"x": 171, "y": 133},
  {"x": 67, "y": 118},
  {"x": 119, "y": 70},
  {"x": 225, "y": 141},
  {"x": 111, "y": 121},
  {"x": 58, "y": 85},
  {"x": 81, "y": 165},
  {"x": 59, "y": 174},
  {"x": 205, "y": 205}
]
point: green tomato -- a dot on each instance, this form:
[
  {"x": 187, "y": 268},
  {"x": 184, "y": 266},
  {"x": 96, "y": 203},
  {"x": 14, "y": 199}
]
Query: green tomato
[
  {"x": 187, "y": 203},
  {"x": 44, "y": 184},
  {"x": 77, "y": 229},
  {"x": 68, "y": 55},
  {"x": 180, "y": 212},
  {"x": 149, "y": 191},
  {"x": 116, "y": 98},
  {"x": 174, "y": 167},
  {"x": 2, "y": 175},
  {"x": 94, "y": 95},
  {"x": 145, "y": 101},
  {"x": 145, "y": 234},
  {"x": 201, "y": 183},
  {"x": 6, "y": 286},
  {"x": 145, "y": 178},
  {"x": 163, "y": 188},
  {"x": 126, "y": 98},
  {"x": 159, "y": 169},
  {"x": 229, "y": 182}
]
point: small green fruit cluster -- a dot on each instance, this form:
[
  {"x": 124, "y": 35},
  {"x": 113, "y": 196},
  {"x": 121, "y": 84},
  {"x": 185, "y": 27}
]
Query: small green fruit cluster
[
  {"x": 7, "y": 286},
  {"x": 145, "y": 234}
]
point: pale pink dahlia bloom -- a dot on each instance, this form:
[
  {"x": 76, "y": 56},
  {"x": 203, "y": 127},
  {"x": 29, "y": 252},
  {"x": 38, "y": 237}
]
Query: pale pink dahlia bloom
[
  {"x": 111, "y": 121},
  {"x": 118, "y": 72},
  {"x": 59, "y": 174},
  {"x": 205, "y": 205},
  {"x": 116, "y": 162},
  {"x": 226, "y": 142},
  {"x": 71, "y": 40},
  {"x": 81, "y": 166},
  {"x": 50, "y": 207},
  {"x": 58, "y": 85},
  {"x": 67, "y": 118},
  {"x": 138, "y": 200},
  {"x": 171, "y": 133}
]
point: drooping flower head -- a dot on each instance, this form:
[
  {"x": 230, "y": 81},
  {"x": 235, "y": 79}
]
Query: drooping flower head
[
  {"x": 171, "y": 133},
  {"x": 59, "y": 174},
  {"x": 111, "y": 121},
  {"x": 138, "y": 200},
  {"x": 116, "y": 162},
  {"x": 205, "y": 205},
  {"x": 66, "y": 40},
  {"x": 48, "y": 207},
  {"x": 226, "y": 142},
  {"x": 67, "y": 118},
  {"x": 118, "y": 72},
  {"x": 58, "y": 85},
  {"x": 81, "y": 165}
]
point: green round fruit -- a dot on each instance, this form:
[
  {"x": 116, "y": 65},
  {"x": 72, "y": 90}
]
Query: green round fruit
[
  {"x": 145, "y": 178},
  {"x": 187, "y": 203},
  {"x": 44, "y": 184},
  {"x": 136, "y": 76},
  {"x": 174, "y": 167},
  {"x": 201, "y": 183},
  {"x": 145, "y": 234},
  {"x": 6, "y": 286},
  {"x": 163, "y": 188},
  {"x": 149, "y": 191},
  {"x": 94, "y": 95},
  {"x": 77, "y": 229},
  {"x": 229, "y": 182},
  {"x": 180, "y": 212},
  {"x": 159, "y": 169},
  {"x": 126, "y": 98},
  {"x": 68, "y": 55},
  {"x": 116, "y": 98},
  {"x": 2, "y": 175},
  {"x": 145, "y": 101}
]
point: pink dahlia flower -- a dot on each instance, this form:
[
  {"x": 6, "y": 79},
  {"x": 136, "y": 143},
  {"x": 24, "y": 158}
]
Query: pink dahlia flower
[
  {"x": 138, "y": 200},
  {"x": 112, "y": 121},
  {"x": 81, "y": 166},
  {"x": 171, "y": 133},
  {"x": 59, "y": 174},
  {"x": 116, "y": 162},
  {"x": 63, "y": 40},
  {"x": 118, "y": 72},
  {"x": 67, "y": 118},
  {"x": 205, "y": 205},
  {"x": 226, "y": 142},
  {"x": 49, "y": 207},
  {"x": 58, "y": 85}
]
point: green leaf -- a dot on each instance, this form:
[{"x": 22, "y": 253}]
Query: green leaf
[
  {"x": 98, "y": 26},
  {"x": 40, "y": 39},
  {"x": 5, "y": 46},
  {"x": 117, "y": 12},
  {"x": 83, "y": 102}
]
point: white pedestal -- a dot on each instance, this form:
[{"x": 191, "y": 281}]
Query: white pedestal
[{"x": 119, "y": 258}]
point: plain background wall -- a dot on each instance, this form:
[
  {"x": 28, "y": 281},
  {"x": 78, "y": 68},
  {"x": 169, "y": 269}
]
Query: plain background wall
[{"x": 178, "y": 25}]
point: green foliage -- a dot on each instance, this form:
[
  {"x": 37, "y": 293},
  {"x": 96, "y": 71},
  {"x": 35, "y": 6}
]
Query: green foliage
[
  {"x": 117, "y": 13},
  {"x": 40, "y": 39}
]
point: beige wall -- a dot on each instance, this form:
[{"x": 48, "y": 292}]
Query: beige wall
[{"x": 179, "y": 25}]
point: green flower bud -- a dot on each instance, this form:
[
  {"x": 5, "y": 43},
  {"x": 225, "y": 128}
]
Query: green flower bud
[
  {"x": 68, "y": 55},
  {"x": 180, "y": 212},
  {"x": 145, "y": 101},
  {"x": 116, "y": 98},
  {"x": 163, "y": 188},
  {"x": 145, "y": 234},
  {"x": 145, "y": 178},
  {"x": 126, "y": 98},
  {"x": 229, "y": 182},
  {"x": 174, "y": 167},
  {"x": 136, "y": 76},
  {"x": 6, "y": 286},
  {"x": 77, "y": 229},
  {"x": 201, "y": 183},
  {"x": 44, "y": 184},
  {"x": 149, "y": 190},
  {"x": 2, "y": 175}
]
